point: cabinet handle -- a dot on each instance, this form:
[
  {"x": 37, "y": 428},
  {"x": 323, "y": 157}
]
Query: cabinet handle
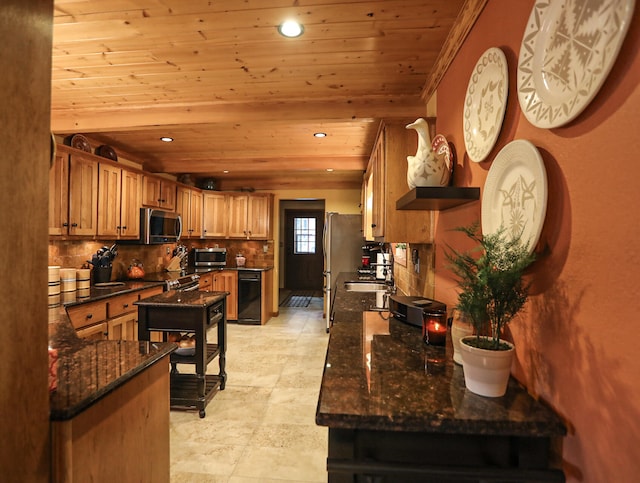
[
  {"x": 124, "y": 306},
  {"x": 373, "y": 225},
  {"x": 89, "y": 316},
  {"x": 124, "y": 227},
  {"x": 65, "y": 224},
  {"x": 74, "y": 224}
]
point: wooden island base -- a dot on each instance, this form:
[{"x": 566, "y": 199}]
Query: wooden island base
[{"x": 124, "y": 433}]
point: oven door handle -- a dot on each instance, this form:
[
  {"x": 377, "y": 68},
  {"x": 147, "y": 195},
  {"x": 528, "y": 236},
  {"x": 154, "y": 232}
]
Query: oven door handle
[{"x": 191, "y": 289}]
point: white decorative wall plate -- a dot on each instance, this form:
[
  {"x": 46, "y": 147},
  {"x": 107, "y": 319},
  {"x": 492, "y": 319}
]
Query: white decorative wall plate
[
  {"x": 485, "y": 104},
  {"x": 568, "y": 49},
  {"x": 515, "y": 193}
]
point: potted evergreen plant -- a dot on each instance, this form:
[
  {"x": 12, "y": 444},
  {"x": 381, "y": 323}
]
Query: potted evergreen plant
[{"x": 492, "y": 292}]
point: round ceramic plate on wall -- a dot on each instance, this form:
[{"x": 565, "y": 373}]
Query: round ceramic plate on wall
[
  {"x": 568, "y": 49},
  {"x": 485, "y": 104},
  {"x": 515, "y": 193}
]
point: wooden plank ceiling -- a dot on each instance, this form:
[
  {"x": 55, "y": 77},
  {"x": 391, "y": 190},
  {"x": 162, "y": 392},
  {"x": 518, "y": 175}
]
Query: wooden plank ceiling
[{"x": 235, "y": 95}]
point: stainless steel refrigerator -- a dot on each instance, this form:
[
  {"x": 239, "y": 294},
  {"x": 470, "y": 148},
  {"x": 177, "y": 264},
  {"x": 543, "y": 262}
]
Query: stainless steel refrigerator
[{"x": 342, "y": 245}]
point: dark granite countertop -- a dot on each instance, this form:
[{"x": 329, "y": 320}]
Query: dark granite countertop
[
  {"x": 89, "y": 370},
  {"x": 379, "y": 375},
  {"x": 344, "y": 301},
  {"x": 174, "y": 298}
]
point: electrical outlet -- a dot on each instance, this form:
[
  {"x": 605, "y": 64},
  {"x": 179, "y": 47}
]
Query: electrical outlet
[
  {"x": 265, "y": 248},
  {"x": 168, "y": 250}
]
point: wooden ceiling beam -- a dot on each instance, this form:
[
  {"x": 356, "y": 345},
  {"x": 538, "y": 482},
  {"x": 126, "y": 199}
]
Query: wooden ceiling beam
[
  {"x": 268, "y": 166},
  {"x": 150, "y": 115},
  {"x": 468, "y": 15}
]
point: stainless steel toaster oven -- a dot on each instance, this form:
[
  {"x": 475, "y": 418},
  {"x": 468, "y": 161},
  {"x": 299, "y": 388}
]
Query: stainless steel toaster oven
[{"x": 208, "y": 257}]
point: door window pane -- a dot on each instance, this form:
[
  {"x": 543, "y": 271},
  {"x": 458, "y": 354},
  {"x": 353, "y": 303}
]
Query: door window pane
[{"x": 304, "y": 236}]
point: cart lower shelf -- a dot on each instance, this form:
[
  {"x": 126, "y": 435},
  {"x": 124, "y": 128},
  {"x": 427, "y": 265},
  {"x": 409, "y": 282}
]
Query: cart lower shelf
[{"x": 190, "y": 391}]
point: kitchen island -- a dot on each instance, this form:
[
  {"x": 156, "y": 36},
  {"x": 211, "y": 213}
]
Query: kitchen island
[
  {"x": 398, "y": 410},
  {"x": 109, "y": 399},
  {"x": 194, "y": 312}
]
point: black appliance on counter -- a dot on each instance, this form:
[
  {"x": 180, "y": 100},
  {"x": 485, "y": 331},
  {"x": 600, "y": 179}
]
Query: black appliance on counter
[
  {"x": 208, "y": 257},
  {"x": 411, "y": 309},
  {"x": 249, "y": 297}
]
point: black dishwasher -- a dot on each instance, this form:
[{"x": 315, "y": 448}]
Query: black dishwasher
[{"x": 249, "y": 300}]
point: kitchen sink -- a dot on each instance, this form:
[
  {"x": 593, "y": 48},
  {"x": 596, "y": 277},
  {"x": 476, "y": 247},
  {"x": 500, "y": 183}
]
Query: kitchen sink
[{"x": 366, "y": 286}]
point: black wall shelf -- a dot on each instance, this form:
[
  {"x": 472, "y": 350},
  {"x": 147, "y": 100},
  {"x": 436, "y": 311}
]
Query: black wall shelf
[{"x": 437, "y": 198}]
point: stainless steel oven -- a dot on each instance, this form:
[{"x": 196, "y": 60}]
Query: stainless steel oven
[{"x": 186, "y": 283}]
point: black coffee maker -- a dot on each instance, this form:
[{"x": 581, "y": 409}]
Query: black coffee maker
[{"x": 369, "y": 252}]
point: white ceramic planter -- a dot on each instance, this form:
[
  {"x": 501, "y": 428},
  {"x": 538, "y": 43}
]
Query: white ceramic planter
[
  {"x": 459, "y": 329},
  {"x": 486, "y": 372}
]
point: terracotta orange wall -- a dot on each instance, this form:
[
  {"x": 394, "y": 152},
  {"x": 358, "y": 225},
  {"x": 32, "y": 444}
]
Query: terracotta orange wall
[{"x": 577, "y": 343}]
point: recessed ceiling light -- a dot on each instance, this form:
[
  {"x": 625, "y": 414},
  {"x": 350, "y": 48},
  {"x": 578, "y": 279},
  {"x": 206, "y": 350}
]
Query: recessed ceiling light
[
  {"x": 226, "y": 171},
  {"x": 320, "y": 134},
  {"x": 166, "y": 139},
  {"x": 290, "y": 29},
  {"x": 330, "y": 170}
]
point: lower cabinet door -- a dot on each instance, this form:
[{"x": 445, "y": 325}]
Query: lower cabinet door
[
  {"x": 123, "y": 327},
  {"x": 94, "y": 332}
]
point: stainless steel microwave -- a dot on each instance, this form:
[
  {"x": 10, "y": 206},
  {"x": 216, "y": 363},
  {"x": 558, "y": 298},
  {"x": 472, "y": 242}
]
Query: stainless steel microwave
[
  {"x": 208, "y": 257},
  {"x": 159, "y": 226}
]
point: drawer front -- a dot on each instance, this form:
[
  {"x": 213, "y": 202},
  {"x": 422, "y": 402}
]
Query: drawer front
[
  {"x": 87, "y": 314},
  {"x": 121, "y": 304}
]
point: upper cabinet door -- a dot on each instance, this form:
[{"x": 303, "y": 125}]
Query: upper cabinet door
[
  {"x": 238, "y": 209},
  {"x": 159, "y": 193},
  {"x": 109, "y": 196},
  {"x": 259, "y": 217},
  {"x": 131, "y": 202},
  {"x": 83, "y": 195},
  {"x": 189, "y": 205},
  {"x": 59, "y": 194},
  {"x": 214, "y": 215}
]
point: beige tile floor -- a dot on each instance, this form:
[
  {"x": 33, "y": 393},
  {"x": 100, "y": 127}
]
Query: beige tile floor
[{"x": 261, "y": 428}]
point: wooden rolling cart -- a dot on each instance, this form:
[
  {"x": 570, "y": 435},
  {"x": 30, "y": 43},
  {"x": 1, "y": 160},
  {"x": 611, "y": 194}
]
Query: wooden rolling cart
[{"x": 193, "y": 312}]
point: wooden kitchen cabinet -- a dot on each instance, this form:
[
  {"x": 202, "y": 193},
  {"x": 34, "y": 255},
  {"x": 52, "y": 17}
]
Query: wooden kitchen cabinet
[
  {"x": 119, "y": 201},
  {"x": 124, "y": 327},
  {"x": 227, "y": 281},
  {"x": 189, "y": 205},
  {"x": 113, "y": 318},
  {"x": 250, "y": 216},
  {"x": 385, "y": 182},
  {"x": 123, "y": 435},
  {"x": 158, "y": 193},
  {"x": 206, "y": 281},
  {"x": 222, "y": 281},
  {"x": 215, "y": 215},
  {"x": 73, "y": 194}
]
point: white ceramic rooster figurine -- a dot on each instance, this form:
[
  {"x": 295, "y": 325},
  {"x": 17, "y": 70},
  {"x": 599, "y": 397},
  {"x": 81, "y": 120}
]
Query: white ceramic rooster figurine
[{"x": 425, "y": 169}]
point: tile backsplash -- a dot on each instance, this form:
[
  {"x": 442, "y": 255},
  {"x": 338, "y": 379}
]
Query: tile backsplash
[{"x": 75, "y": 253}]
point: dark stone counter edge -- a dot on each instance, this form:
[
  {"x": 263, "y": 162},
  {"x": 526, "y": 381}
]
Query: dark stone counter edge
[
  {"x": 165, "y": 299},
  {"x": 235, "y": 269},
  {"x": 421, "y": 424},
  {"x": 109, "y": 292},
  {"x": 163, "y": 349}
]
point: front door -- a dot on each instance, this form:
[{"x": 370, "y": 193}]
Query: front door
[{"x": 303, "y": 249}]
